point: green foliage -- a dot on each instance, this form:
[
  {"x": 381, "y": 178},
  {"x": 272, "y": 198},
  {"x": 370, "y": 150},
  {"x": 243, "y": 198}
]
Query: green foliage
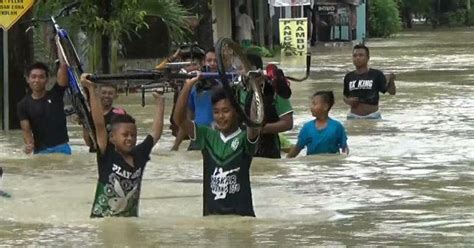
[
  {"x": 470, "y": 17},
  {"x": 126, "y": 17},
  {"x": 384, "y": 18},
  {"x": 417, "y": 7},
  {"x": 172, "y": 13},
  {"x": 262, "y": 51},
  {"x": 453, "y": 18}
]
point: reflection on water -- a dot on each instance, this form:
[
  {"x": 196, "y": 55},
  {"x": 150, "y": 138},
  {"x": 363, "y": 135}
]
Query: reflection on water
[{"x": 407, "y": 181}]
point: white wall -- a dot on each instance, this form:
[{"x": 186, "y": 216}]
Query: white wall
[{"x": 221, "y": 15}]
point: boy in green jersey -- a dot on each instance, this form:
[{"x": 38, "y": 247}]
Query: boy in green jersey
[{"x": 227, "y": 154}]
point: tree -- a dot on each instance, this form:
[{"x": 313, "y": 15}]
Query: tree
[
  {"x": 106, "y": 23},
  {"x": 384, "y": 18},
  {"x": 410, "y": 8}
]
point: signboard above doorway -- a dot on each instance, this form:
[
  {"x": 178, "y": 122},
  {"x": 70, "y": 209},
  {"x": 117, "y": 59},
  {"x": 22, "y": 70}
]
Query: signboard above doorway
[
  {"x": 326, "y": 9},
  {"x": 288, "y": 3}
]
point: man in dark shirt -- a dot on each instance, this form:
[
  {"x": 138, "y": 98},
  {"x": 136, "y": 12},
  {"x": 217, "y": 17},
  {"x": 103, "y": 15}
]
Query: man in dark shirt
[
  {"x": 362, "y": 86},
  {"x": 41, "y": 113}
]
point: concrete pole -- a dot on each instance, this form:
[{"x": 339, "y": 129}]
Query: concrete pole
[{"x": 6, "y": 113}]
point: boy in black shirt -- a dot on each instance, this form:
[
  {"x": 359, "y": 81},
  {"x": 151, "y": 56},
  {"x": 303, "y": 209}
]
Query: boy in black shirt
[
  {"x": 227, "y": 154},
  {"x": 362, "y": 86},
  {"x": 41, "y": 113},
  {"x": 121, "y": 165}
]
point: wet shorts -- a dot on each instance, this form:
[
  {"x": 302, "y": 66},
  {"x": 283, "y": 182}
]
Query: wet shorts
[
  {"x": 63, "y": 148},
  {"x": 374, "y": 116}
]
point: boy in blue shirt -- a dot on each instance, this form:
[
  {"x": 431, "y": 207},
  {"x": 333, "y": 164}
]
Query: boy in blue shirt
[
  {"x": 322, "y": 135},
  {"x": 199, "y": 100}
]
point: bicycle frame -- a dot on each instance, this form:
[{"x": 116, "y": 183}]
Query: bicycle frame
[{"x": 74, "y": 84}]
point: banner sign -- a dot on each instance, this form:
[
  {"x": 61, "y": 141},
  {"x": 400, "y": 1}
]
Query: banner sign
[
  {"x": 289, "y": 3},
  {"x": 294, "y": 42},
  {"x": 12, "y": 10}
]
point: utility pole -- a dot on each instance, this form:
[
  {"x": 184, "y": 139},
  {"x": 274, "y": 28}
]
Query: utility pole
[
  {"x": 105, "y": 12},
  {"x": 468, "y": 11}
]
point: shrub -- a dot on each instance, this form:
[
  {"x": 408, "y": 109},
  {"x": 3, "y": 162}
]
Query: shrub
[
  {"x": 470, "y": 17},
  {"x": 384, "y": 18}
]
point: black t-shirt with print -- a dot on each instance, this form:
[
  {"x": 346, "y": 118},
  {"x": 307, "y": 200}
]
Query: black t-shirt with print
[
  {"x": 119, "y": 185},
  {"x": 365, "y": 86},
  {"x": 46, "y": 117}
]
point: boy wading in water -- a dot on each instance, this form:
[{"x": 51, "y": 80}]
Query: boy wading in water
[
  {"x": 362, "y": 86},
  {"x": 227, "y": 154},
  {"x": 323, "y": 134},
  {"x": 121, "y": 162},
  {"x": 41, "y": 112}
]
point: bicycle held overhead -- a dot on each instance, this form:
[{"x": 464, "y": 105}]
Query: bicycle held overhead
[{"x": 67, "y": 52}]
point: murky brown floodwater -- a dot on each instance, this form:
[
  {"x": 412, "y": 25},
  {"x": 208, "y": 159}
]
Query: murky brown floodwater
[{"x": 408, "y": 181}]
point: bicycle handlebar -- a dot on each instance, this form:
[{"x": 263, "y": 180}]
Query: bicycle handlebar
[
  {"x": 154, "y": 76},
  {"x": 68, "y": 8},
  {"x": 62, "y": 12}
]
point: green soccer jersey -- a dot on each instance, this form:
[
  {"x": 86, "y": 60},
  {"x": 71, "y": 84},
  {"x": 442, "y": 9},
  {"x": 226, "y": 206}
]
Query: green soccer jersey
[{"x": 226, "y": 186}]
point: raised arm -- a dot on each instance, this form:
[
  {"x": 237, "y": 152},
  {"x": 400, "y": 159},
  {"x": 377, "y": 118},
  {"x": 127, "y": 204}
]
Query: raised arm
[
  {"x": 62, "y": 77},
  {"x": 179, "y": 115},
  {"x": 27, "y": 136},
  {"x": 97, "y": 113},
  {"x": 157, "y": 128}
]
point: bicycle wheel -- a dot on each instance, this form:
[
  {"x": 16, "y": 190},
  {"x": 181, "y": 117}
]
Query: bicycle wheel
[
  {"x": 79, "y": 96},
  {"x": 246, "y": 90}
]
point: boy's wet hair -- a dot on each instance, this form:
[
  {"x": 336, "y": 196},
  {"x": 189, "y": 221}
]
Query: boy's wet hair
[
  {"x": 37, "y": 65},
  {"x": 109, "y": 85},
  {"x": 362, "y": 46},
  {"x": 119, "y": 119},
  {"x": 210, "y": 50},
  {"x": 218, "y": 94},
  {"x": 327, "y": 96}
]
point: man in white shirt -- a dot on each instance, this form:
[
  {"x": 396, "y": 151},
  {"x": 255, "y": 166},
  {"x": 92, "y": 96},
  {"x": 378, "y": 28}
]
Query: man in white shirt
[{"x": 245, "y": 27}]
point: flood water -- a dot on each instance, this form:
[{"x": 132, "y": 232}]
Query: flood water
[{"x": 409, "y": 179}]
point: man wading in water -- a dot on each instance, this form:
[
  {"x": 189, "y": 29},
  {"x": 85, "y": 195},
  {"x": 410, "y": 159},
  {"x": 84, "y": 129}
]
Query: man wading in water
[{"x": 362, "y": 86}]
